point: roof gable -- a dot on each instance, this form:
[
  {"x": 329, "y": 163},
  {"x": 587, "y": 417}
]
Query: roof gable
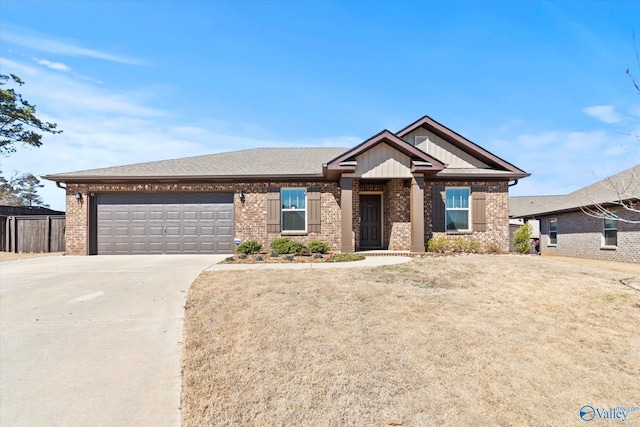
[
  {"x": 253, "y": 163},
  {"x": 463, "y": 144},
  {"x": 394, "y": 154},
  {"x": 624, "y": 186}
]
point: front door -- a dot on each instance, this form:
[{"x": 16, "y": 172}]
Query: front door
[{"x": 370, "y": 221}]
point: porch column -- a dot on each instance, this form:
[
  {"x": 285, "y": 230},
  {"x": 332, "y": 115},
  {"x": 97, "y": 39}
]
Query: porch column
[
  {"x": 346, "y": 214},
  {"x": 417, "y": 213}
]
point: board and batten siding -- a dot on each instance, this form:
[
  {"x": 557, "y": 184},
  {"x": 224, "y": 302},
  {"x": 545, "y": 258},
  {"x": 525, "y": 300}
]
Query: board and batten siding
[
  {"x": 437, "y": 147},
  {"x": 382, "y": 161}
]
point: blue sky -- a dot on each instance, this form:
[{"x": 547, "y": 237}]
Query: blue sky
[{"x": 540, "y": 84}]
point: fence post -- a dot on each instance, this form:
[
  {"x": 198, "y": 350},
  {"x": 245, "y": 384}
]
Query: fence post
[
  {"x": 47, "y": 234},
  {"x": 14, "y": 235}
]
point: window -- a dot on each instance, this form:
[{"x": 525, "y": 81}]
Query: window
[
  {"x": 610, "y": 232},
  {"x": 553, "y": 231},
  {"x": 457, "y": 209},
  {"x": 294, "y": 209}
]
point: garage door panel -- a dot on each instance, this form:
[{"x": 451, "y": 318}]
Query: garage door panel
[
  {"x": 138, "y": 231},
  {"x": 172, "y": 215},
  {"x": 207, "y": 231},
  {"x": 175, "y": 223},
  {"x": 223, "y": 231},
  {"x": 156, "y": 231},
  {"x": 139, "y": 216},
  {"x": 156, "y": 215},
  {"x": 223, "y": 215},
  {"x": 224, "y": 248},
  {"x": 122, "y": 231},
  {"x": 190, "y": 215},
  {"x": 190, "y": 231}
]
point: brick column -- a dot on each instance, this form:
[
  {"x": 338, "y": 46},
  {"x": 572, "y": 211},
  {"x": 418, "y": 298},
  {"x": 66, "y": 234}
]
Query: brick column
[
  {"x": 417, "y": 214},
  {"x": 346, "y": 212}
]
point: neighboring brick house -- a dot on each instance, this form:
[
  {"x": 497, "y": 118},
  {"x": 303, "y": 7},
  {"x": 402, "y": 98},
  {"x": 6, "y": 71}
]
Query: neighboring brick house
[
  {"x": 392, "y": 191},
  {"x": 591, "y": 222}
]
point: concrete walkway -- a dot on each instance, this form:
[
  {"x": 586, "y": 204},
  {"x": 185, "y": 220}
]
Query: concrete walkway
[{"x": 93, "y": 341}]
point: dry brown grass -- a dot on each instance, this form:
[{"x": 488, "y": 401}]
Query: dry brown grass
[
  {"x": 469, "y": 340},
  {"x": 11, "y": 256}
]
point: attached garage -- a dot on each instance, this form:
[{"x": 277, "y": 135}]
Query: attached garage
[{"x": 199, "y": 223}]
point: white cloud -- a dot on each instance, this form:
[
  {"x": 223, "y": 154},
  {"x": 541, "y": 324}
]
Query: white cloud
[
  {"x": 46, "y": 43},
  {"x": 569, "y": 160},
  {"x": 17, "y": 68},
  {"x": 106, "y": 127},
  {"x": 604, "y": 113},
  {"x": 53, "y": 65}
]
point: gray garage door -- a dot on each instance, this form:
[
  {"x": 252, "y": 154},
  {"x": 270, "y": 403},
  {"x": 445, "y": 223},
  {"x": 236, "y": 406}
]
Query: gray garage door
[{"x": 165, "y": 224}]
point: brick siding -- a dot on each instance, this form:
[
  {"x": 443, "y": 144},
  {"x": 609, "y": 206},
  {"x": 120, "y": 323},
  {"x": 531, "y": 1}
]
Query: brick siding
[
  {"x": 497, "y": 213},
  {"x": 580, "y": 235},
  {"x": 250, "y": 216}
]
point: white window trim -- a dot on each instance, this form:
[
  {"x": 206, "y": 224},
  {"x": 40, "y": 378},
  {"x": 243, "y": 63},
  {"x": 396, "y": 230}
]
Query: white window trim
[
  {"x": 283, "y": 210},
  {"x": 603, "y": 240},
  {"x": 469, "y": 216},
  {"x": 556, "y": 243}
]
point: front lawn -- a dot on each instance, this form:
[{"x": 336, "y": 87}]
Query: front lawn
[{"x": 468, "y": 340}]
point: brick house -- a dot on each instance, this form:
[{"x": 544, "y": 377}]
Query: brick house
[
  {"x": 393, "y": 191},
  {"x": 591, "y": 222}
]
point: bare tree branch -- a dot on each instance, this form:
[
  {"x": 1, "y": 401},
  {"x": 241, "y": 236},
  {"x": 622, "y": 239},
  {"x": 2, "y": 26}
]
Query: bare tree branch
[{"x": 625, "y": 196}]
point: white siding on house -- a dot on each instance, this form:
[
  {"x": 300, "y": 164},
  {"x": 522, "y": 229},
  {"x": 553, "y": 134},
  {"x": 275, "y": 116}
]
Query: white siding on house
[
  {"x": 382, "y": 161},
  {"x": 442, "y": 150}
]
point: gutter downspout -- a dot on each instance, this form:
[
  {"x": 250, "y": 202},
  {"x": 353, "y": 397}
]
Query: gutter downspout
[
  {"x": 515, "y": 182},
  {"x": 60, "y": 186}
]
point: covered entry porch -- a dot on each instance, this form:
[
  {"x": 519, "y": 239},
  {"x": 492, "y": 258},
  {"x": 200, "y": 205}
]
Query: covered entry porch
[{"x": 382, "y": 214}]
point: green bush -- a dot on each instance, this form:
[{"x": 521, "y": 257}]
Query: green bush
[
  {"x": 281, "y": 246},
  {"x": 473, "y": 246},
  {"x": 249, "y": 247},
  {"x": 318, "y": 247},
  {"x": 296, "y": 248},
  {"x": 458, "y": 245},
  {"x": 438, "y": 244},
  {"x": 522, "y": 239}
]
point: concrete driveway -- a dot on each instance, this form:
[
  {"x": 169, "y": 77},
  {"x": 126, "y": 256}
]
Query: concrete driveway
[{"x": 93, "y": 340}]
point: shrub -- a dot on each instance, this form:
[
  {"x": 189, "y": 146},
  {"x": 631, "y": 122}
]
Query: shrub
[
  {"x": 274, "y": 254},
  {"x": 473, "y": 246},
  {"x": 295, "y": 248},
  {"x": 242, "y": 256},
  {"x": 438, "y": 244},
  {"x": 318, "y": 247},
  {"x": 458, "y": 245},
  {"x": 281, "y": 246},
  {"x": 522, "y": 239},
  {"x": 492, "y": 248},
  {"x": 249, "y": 247},
  {"x": 303, "y": 251}
]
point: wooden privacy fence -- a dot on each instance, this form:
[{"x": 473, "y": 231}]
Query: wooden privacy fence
[{"x": 32, "y": 234}]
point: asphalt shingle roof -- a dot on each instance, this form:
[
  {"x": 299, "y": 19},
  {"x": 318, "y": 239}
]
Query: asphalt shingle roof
[
  {"x": 598, "y": 193},
  {"x": 253, "y": 162}
]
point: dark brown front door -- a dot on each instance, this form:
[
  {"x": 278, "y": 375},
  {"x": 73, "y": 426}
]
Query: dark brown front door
[{"x": 370, "y": 221}]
